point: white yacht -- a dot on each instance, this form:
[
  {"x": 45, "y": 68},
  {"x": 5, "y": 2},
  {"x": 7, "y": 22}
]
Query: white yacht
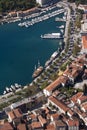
[{"x": 52, "y": 36}]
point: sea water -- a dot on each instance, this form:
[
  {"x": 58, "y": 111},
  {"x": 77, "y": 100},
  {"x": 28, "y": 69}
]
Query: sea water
[{"x": 21, "y": 48}]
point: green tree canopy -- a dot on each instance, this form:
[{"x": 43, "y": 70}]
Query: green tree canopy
[
  {"x": 9, "y": 5},
  {"x": 78, "y": 1}
]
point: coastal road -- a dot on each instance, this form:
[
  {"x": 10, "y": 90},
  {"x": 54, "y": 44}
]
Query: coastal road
[
  {"x": 39, "y": 94},
  {"x": 26, "y": 100},
  {"x": 67, "y": 26},
  {"x": 5, "y": 100}
]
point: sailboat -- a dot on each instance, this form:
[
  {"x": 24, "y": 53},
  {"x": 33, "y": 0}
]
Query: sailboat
[{"x": 37, "y": 70}]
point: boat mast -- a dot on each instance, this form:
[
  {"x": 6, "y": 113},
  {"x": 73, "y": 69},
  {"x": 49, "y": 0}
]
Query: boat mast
[
  {"x": 35, "y": 68},
  {"x": 58, "y": 50},
  {"x": 38, "y": 64}
]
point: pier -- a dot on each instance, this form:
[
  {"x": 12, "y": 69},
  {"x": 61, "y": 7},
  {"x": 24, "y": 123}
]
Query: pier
[
  {"x": 41, "y": 18},
  {"x": 60, "y": 20},
  {"x": 67, "y": 25}
]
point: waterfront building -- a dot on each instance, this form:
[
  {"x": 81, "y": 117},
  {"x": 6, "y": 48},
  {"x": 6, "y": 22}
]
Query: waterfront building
[
  {"x": 12, "y": 14},
  {"x": 14, "y": 114},
  {"x": 61, "y": 81},
  {"x": 84, "y": 44},
  {"x": 83, "y": 7},
  {"x": 58, "y": 104},
  {"x": 73, "y": 124},
  {"x": 84, "y": 17},
  {"x": 84, "y": 28},
  {"x": 42, "y": 2}
]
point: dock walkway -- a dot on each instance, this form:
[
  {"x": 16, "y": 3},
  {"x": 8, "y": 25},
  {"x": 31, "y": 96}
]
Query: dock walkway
[{"x": 67, "y": 26}]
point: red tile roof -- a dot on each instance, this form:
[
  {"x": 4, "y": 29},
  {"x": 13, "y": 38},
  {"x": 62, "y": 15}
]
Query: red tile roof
[
  {"x": 46, "y": 110},
  {"x": 85, "y": 7},
  {"x": 84, "y": 16},
  {"x": 32, "y": 116},
  {"x": 75, "y": 73},
  {"x": 71, "y": 112},
  {"x": 55, "y": 116},
  {"x": 60, "y": 123},
  {"x": 84, "y": 106},
  {"x": 29, "y": 10},
  {"x": 53, "y": 85},
  {"x": 84, "y": 42},
  {"x": 55, "y": 93},
  {"x": 36, "y": 125},
  {"x": 76, "y": 96},
  {"x": 73, "y": 70},
  {"x": 85, "y": 71},
  {"x": 78, "y": 64},
  {"x": 12, "y": 13},
  {"x": 6, "y": 126},
  {"x": 42, "y": 120},
  {"x": 21, "y": 127},
  {"x": 59, "y": 103},
  {"x": 16, "y": 113},
  {"x": 83, "y": 98},
  {"x": 57, "y": 82},
  {"x": 83, "y": 114},
  {"x": 12, "y": 115},
  {"x": 71, "y": 123},
  {"x": 50, "y": 127}
]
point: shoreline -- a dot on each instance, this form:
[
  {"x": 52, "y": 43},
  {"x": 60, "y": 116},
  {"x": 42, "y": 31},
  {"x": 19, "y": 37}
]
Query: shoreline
[
  {"x": 16, "y": 16},
  {"x": 9, "y": 94}
]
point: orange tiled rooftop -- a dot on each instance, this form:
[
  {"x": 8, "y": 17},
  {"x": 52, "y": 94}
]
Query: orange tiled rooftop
[
  {"x": 84, "y": 42},
  {"x": 58, "y": 103}
]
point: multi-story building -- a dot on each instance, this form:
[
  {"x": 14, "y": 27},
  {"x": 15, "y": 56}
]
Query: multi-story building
[{"x": 42, "y": 2}]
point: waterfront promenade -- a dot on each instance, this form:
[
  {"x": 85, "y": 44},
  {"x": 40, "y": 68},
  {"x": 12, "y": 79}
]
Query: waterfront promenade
[
  {"x": 67, "y": 20},
  {"x": 65, "y": 31},
  {"x": 67, "y": 25}
]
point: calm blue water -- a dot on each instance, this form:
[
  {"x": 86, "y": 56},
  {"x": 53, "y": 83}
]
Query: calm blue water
[{"x": 21, "y": 48}]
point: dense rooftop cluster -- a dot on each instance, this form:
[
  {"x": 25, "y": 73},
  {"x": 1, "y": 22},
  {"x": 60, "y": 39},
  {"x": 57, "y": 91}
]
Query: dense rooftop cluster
[
  {"x": 69, "y": 76},
  {"x": 9, "y": 5},
  {"x": 84, "y": 28},
  {"x": 58, "y": 112}
]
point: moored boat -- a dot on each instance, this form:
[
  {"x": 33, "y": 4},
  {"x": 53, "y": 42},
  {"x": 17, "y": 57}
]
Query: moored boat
[
  {"x": 52, "y": 36},
  {"x": 37, "y": 70}
]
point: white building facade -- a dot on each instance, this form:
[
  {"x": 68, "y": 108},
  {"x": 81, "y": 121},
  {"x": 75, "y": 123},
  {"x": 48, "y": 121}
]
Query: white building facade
[{"x": 42, "y": 2}]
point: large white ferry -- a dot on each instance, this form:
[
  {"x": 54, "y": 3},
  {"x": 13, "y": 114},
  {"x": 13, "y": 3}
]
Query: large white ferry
[{"x": 52, "y": 36}]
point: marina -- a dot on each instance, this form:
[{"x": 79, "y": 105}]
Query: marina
[
  {"x": 40, "y": 18},
  {"x": 39, "y": 11},
  {"x": 25, "y": 64}
]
